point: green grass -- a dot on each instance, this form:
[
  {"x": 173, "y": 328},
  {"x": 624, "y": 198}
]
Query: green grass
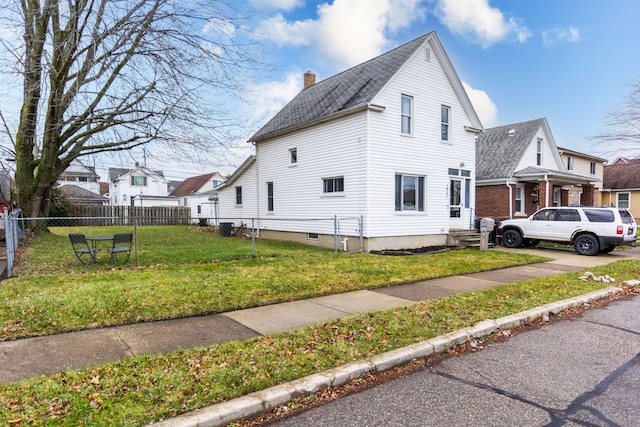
[
  {"x": 183, "y": 272},
  {"x": 143, "y": 389}
]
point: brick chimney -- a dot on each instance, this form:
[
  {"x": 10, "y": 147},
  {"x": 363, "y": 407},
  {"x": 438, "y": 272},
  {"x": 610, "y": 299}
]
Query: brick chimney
[{"x": 309, "y": 79}]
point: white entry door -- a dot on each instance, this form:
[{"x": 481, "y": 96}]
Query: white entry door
[{"x": 456, "y": 204}]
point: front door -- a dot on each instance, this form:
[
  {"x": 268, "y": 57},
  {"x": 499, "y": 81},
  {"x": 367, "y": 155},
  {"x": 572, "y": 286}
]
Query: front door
[{"x": 455, "y": 203}]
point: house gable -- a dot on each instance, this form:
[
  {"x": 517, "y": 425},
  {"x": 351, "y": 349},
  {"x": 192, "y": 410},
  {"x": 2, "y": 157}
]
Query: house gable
[
  {"x": 504, "y": 150},
  {"x": 197, "y": 184}
]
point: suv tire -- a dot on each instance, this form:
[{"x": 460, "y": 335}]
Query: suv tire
[
  {"x": 512, "y": 239},
  {"x": 586, "y": 244}
]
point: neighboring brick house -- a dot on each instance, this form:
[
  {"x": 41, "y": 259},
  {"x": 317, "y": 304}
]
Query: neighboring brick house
[
  {"x": 621, "y": 187},
  {"x": 520, "y": 170}
]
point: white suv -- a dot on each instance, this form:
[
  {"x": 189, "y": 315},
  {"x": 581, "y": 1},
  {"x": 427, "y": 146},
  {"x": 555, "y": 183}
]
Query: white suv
[{"x": 590, "y": 230}]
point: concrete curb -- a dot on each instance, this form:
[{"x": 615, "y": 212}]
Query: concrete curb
[{"x": 262, "y": 401}]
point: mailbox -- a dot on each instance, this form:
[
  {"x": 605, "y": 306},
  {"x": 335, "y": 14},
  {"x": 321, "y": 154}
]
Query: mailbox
[{"x": 486, "y": 228}]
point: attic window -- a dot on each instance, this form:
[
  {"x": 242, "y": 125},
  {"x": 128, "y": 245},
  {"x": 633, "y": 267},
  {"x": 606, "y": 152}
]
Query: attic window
[
  {"x": 138, "y": 181},
  {"x": 427, "y": 54},
  {"x": 512, "y": 132}
]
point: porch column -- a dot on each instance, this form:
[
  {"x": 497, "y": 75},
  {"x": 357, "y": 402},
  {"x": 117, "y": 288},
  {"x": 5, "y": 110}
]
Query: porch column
[
  {"x": 588, "y": 195},
  {"x": 545, "y": 199}
]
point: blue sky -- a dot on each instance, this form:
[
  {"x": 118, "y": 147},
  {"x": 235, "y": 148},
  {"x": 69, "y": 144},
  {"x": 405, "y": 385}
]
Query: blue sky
[{"x": 571, "y": 61}]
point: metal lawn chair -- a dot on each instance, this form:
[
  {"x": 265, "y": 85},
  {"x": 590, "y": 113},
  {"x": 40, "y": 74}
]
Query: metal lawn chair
[
  {"x": 121, "y": 247},
  {"x": 84, "y": 253}
]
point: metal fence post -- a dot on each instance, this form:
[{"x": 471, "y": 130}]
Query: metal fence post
[
  {"x": 253, "y": 238},
  {"x": 335, "y": 233}
]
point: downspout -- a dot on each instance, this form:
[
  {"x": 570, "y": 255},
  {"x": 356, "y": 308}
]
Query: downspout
[
  {"x": 257, "y": 191},
  {"x": 508, "y": 184}
]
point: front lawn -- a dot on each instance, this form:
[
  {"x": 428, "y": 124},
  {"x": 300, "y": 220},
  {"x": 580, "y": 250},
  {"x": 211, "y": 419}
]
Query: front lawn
[
  {"x": 140, "y": 390},
  {"x": 186, "y": 271}
]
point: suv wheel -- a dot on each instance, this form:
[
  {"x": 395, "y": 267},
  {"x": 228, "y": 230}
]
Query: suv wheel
[
  {"x": 511, "y": 239},
  {"x": 586, "y": 244}
]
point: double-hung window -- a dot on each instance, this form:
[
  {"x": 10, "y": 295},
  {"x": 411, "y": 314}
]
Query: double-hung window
[
  {"x": 409, "y": 193},
  {"x": 293, "y": 156},
  {"x": 270, "y": 196},
  {"x": 445, "y": 121},
  {"x": 239, "y": 195},
  {"x": 519, "y": 193},
  {"x": 407, "y": 115},
  {"x": 569, "y": 163},
  {"x": 539, "y": 152},
  {"x": 623, "y": 200}
]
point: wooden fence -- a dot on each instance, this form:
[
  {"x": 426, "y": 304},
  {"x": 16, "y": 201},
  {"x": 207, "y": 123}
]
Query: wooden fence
[{"x": 129, "y": 215}]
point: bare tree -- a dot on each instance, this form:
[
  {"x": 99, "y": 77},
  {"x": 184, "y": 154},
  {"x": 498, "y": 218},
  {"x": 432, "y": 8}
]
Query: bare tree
[
  {"x": 622, "y": 128},
  {"x": 109, "y": 75}
]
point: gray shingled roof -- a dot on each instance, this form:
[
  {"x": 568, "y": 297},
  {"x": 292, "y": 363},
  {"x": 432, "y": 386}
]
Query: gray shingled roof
[
  {"x": 351, "y": 88},
  {"x": 498, "y": 153}
]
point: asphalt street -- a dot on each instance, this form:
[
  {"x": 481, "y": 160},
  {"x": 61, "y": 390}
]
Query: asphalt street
[{"x": 579, "y": 372}]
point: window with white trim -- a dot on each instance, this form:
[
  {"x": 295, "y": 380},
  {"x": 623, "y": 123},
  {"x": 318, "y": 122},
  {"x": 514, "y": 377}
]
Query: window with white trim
[
  {"x": 293, "y": 156},
  {"x": 592, "y": 168},
  {"x": 519, "y": 193},
  {"x": 138, "y": 181},
  {"x": 624, "y": 200},
  {"x": 239, "y": 195},
  {"x": 569, "y": 163},
  {"x": 406, "y": 122},
  {"x": 445, "y": 113},
  {"x": 333, "y": 185},
  {"x": 409, "y": 193},
  {"x": 270, "y": 196},
  {"x": 539, "y": 152}
]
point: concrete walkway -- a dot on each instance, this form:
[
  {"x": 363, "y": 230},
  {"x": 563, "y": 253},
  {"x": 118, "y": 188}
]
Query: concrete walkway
[{"x": 44, "y": 355}]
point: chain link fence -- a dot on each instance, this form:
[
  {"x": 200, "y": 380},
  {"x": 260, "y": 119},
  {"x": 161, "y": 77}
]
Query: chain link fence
[{"x": 342, "y": 234}]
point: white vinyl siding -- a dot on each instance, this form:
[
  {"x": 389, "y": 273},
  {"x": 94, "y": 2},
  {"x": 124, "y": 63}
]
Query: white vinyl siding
[
  {"x": 422, "y": 155},
  {"x": 307, "y": 199},
  {"x": 366, "y": 149}
]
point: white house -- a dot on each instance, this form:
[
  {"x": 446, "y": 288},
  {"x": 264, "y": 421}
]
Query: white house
[
  {"x": 199, "y": 194},
  {"x": 139, "y": 186},
  {"x": 82, "y": 176},
  {"x": 390, "y": 141},
  {"x": 80, "y": 184}
]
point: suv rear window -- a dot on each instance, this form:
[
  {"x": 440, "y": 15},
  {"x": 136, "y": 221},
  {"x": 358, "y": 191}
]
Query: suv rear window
[
  {"x": 626, "y": 217},
  {"x": 599, "y": 215}
]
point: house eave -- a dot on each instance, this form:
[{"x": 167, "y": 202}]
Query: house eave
[
  {"x": 473, "y": 129},
  {"x": 342, "y": 113}
]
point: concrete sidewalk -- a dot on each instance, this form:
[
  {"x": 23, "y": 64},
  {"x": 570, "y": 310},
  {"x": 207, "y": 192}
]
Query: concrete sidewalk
[{"x": 44, "y": 355}]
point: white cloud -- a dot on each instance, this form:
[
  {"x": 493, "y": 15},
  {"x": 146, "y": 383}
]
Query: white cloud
[
  {"x": 269, "y": 98},
  {"x": 569, "y": 34},
  {"x": 346, "y": 32},
  {"x": 277, "y": 4},
  {"x": 484, "y": 106},
  {"x": 478, "y": 22}
]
